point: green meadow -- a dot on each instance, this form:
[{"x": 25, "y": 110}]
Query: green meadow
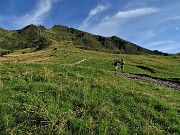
[{"x": 47, "y": 92}]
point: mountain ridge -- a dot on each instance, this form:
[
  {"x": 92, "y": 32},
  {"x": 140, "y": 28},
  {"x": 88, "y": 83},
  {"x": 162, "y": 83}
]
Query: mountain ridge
[{"x": 40, "y": 37}]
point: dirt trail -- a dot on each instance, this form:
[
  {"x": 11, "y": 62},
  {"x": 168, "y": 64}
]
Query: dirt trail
[
  {"x": 78, "y": 62},
  {"x": 165, "y": 83},
  {"x": 168, "y": 84}
]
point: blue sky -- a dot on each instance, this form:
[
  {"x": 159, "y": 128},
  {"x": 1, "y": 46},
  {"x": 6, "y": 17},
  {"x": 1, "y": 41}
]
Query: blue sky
[{"x": 153, "y": 24}]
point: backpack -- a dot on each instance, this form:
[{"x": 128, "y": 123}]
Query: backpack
[
  {"x": 116, "y": 63},
  {"x": 122, "y": 63}
]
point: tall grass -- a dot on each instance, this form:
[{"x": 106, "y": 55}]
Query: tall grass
[
  {"x": 83, "y": 99},
  {"x": 57, "y": 97}
]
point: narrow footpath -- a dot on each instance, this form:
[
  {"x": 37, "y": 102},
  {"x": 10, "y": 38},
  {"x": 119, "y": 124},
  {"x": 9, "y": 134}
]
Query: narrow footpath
[
  {"x": 165, "y": 83},
  {"x": 76, "y": 63},
  {"x": 168, "y": 84}
]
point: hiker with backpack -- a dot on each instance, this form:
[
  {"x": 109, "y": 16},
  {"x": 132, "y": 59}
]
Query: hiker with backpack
[
  {"x": 122, "y": 65},
  {"x": 116, "y": 66}
]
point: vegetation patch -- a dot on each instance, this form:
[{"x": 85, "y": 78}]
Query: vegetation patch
[
  {"x": 74, "y": 91},
  {"x": 146, "y": 68}
]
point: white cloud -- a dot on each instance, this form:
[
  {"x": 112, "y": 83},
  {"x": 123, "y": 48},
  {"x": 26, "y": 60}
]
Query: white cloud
[
  {"x": 138, "y": 3},
  {"x": 159, "y": 43},
  {"x": 135, "y": 13},
  {"x": 109, "y": 25},
  {"x": 97, "y": 10},
  {"x": 3, "y": 18},
  {"x": 37, "y": 15},
  {"x": 141, "y": 36},
  {"x": 174, "y": 18},
  {"x": 169, "y": 46},
  {"x": 149, "y": 34}
]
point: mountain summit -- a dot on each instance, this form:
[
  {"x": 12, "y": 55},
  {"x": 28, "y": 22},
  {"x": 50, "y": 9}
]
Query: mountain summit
[{"x": 39, "y": 37}]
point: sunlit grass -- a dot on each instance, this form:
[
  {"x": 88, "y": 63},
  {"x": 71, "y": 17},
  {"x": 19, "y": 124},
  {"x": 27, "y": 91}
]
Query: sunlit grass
[{"x": 40, "y": 93}]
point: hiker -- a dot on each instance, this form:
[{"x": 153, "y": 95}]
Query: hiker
[
  {"x": 122, "y": 65},
  {"x": 116, "y": 66}
]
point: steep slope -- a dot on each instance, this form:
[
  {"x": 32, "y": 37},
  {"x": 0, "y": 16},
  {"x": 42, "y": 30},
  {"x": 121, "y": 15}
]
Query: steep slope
[
  {"x": 39, "y": 37},
  {"x": 64, "y": 94},
  {"x": 30, "y": 36},
  {"x": 89, "y": 41}
]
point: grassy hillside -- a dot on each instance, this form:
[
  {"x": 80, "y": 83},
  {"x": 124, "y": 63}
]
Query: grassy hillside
[
  {"x": 38, "y": 38},
  {"x": 29, "y": 37},
  {"x": 45, "y": 92}
]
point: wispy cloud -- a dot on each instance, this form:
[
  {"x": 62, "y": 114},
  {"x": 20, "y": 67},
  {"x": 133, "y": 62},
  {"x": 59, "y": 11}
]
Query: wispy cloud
[
  {"x": 169, "y": 46},
  {"x": 37, "y": 15},
  {"x": 135, "y": 12},
  {"x": 148, "y": 34},
  {"x": 114, "y": 22},
  {"x": 159, "y": 43},
  {"x": 97, "y": 10},
  {"x": 174, "y": 18},
  {"x": 145, "y": 35}
]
